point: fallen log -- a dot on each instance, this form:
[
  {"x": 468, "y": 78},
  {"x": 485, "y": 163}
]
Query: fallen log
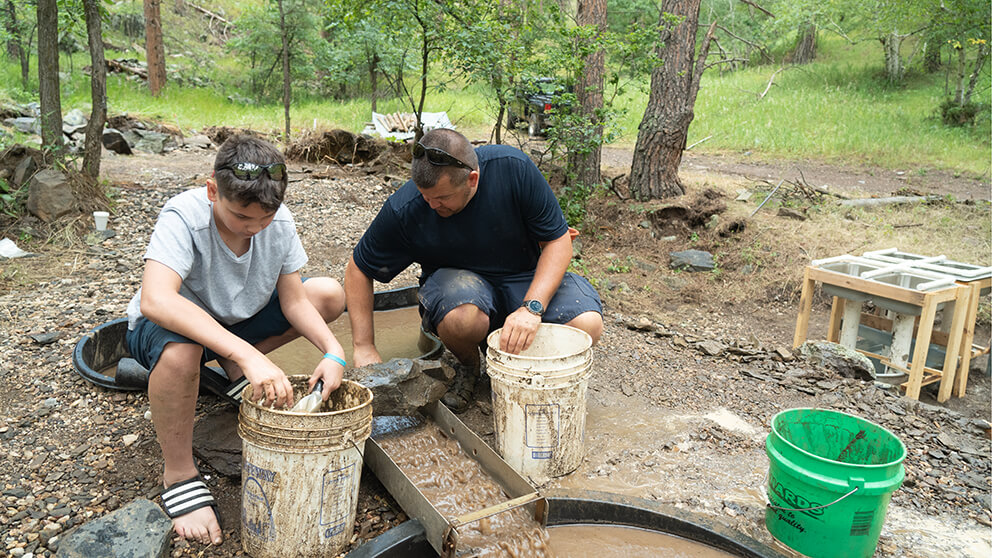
[{"x": 894, "y": 200}]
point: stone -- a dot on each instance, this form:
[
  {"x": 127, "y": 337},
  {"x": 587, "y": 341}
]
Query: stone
[
  {"x": 50, "y": 195},
  {"x": 692, "y": 260},
  {"x": 75, "y": 118},
  {"x": 24, "y": 170},
  {"x": 25, "y": 124},
  {"x": 114, "y": 141},
  {"x": 140, "y": 528},
  {"x": 402, "y": 385},
  {"x": 153, "y": 142},
  {"x": 216, "y": 441},
  {"x": 848, "y": 362},
  {"x": 784, "y": 354},
  {"x": 711, "y": 348},
  {"x": 198, "y": 141}
]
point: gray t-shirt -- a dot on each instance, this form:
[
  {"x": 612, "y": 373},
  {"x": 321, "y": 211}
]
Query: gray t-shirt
[{"x": 230, "y": 288}]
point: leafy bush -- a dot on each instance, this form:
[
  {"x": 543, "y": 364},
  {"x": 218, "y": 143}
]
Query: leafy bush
[{"x": 954, "y": 114}]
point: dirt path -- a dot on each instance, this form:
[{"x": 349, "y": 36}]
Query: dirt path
[{"x": 669, "y": 418}]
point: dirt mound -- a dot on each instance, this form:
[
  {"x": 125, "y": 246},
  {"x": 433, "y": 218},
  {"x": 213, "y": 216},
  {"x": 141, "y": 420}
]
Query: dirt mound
[
  {"x": 676, "y": 218},
  {"x": 13, "y": 155},
  {"x": 343, "y": 147},
  {"x": 219, "y": 134},
  {"x": 124, "y": 122}
]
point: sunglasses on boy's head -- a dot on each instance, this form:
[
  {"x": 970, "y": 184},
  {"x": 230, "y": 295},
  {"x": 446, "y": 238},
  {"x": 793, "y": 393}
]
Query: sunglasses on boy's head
[
  {"x": 251, "y": 171},
  {"x": 438, "y": 157}
]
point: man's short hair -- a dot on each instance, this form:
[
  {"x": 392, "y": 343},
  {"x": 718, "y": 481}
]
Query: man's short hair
[
  {"x": 425, "y": 175},
  {"x": 263, "y": 190}
]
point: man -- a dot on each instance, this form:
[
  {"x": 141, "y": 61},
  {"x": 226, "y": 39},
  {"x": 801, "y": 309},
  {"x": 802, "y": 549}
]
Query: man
[{"x": 493, "y": 247}]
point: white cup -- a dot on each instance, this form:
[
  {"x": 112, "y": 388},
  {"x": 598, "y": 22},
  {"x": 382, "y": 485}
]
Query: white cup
[{"x": 100, "y": 219}]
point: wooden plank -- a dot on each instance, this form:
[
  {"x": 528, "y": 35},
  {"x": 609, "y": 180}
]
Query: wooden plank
[
  {"x": 805, "y": 306},
  {"x": 885, "y": 324},
  {"x": 954, "y": 343},
  {"x": 922, "y": 347},
  {"x": 868, "y": 287},
  {"x": 836, "y": 311},
  {"x": 967, "y": 340}
]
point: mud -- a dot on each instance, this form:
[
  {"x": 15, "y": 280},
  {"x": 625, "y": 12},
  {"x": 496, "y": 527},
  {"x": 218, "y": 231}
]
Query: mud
[{"x": 612, "y": 541}]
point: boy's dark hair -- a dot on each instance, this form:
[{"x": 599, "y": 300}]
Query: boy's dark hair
[
  {"x": 263, "y": 190},
  {"x": 425, "y": 175}
]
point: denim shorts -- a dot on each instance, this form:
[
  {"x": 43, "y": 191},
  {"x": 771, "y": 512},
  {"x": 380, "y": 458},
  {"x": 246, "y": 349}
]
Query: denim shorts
[
  {"x": 147, "y": 340},
  {"x": 448, "y": 288}
]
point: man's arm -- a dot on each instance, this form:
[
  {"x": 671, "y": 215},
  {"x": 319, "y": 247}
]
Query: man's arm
[
  {"x": 359, "y": 296},
  {"x": 308, "y": 322},
  {"x": 521, "y": 326},
  {"x": 162, "y": 304}
]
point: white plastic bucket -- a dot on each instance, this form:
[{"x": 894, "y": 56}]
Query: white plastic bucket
[
  {"x": 539, "y": 401},
  {"x": 300, "y": 473}
]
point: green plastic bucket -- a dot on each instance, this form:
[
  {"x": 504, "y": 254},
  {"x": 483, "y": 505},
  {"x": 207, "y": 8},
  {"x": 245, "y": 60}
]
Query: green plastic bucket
[{"x": 830, "y": 478}]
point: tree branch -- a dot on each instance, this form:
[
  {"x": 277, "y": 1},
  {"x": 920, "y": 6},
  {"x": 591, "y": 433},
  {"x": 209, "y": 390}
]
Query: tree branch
[
  {"x": 757, "y": 7},
  {"x": 769, "y": 86}
]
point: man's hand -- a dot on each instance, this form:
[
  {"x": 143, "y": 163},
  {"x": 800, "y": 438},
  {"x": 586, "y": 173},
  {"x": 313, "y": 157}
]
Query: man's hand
[
  {"x": 332, "y": 372},
  {"x": 519, "y": 330},
  {"x": 267, "y": 381},
  {"x": 365, "y": 355}
]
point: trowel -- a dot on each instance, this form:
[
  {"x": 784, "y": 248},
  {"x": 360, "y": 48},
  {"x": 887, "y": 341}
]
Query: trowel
[{"x": 310, "y": 403}]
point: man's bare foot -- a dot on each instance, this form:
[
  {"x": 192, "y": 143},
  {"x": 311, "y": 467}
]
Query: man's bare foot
[{"x": 199, "y": 525}]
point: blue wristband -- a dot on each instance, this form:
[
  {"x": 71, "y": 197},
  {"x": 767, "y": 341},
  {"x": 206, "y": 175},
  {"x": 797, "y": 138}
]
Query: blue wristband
[{"x": 336, "y": 359}]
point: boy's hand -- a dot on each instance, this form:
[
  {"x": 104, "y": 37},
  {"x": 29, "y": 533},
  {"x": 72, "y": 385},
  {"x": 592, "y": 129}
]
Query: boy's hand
[
  {"x": 268, "y": 382},
  {"x": 332, "y": 373}
]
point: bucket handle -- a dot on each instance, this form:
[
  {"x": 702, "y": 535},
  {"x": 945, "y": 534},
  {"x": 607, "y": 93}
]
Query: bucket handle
[
  {"x": 354, "y": 445},
  {"x": 768, "y": 503}
]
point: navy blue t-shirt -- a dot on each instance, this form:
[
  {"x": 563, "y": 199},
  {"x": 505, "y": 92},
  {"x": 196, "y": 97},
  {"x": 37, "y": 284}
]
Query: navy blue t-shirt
[{"x": 495, "y": 235}]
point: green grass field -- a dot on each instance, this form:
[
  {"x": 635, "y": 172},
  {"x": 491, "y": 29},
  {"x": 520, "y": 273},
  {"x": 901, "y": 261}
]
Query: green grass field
[{"x": 838, "y": 109}]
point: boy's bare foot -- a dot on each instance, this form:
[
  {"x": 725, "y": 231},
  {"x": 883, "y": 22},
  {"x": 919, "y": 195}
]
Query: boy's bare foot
[
  {"x": 199, "y": 525},
  {"x": 193, "y": 511}
]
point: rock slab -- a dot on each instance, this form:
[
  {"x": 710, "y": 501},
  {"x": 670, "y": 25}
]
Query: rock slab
[
  {"x": 848, "y": 362},
  {"x": 692, "y": 260},
  {"x": 402, "y": 385},
  {"x": 139, "y": 529}
]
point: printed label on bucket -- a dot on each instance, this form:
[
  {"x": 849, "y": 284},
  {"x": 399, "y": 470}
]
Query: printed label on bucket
[
  {"x": 861, "y": 524},
  {"x": 256, "y": 510},
  {"x": 790, "y": 499},
  {"x": 541, "y": 423},
  {"x": 335, "y": 501}
]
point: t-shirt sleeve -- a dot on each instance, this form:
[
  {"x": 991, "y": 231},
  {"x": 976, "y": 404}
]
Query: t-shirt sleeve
[
  {"x": 383, "y": 251},
  {"x": 171, "y": 243},
  {"x": 541, "y": 211},
  {"x": 296, "y": 256}
]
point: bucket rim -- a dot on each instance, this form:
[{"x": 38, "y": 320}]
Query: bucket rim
[
  {"x": 775, "y": 432},
  {"x": 247, "y": 401},
  {"x": 496, "y": 332}
]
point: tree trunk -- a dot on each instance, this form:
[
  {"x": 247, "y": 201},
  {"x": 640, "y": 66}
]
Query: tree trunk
[
  {"x": 93, "y": 144},
  {"x": 154, "y": 48},
  {"x": 893, "y": 60},
  {"x": 584, "y": 164},
  {"x": 959, "y": 80},
  {"x": 287, "y": 90},
  {"x": 661, "y": 136},
  {"x": 374, "y": 79},
  {"x": 983, "y": 56},
  {"x": 805, "y": 50},
  {"x": 48, "y": 77},
  {"x": 16, "y": 48}
]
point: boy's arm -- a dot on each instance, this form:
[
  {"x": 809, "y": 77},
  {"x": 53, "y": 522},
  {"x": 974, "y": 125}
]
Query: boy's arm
[
  {"x": 358, "y": 292},
  {"x": 162, "y": 304},
  {"x": 308, "y": 322}
]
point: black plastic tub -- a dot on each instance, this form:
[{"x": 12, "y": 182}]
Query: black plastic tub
[
  {"x": 586, "y": 507},
  {"x": 104, "y": 346}
]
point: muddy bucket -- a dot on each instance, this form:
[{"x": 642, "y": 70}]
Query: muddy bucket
[
  {"x": 300, "y": 473},
  {"x": 539, "y": 401},
  {"x": 831, "y": 476}
]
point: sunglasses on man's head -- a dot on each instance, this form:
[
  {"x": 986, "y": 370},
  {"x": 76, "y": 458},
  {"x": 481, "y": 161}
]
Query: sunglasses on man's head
[
  {"x": 438, "y": 157},
  {"x": 251, "y": 171}
]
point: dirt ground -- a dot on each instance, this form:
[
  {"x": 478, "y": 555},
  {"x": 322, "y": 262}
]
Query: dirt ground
[{"x": 669, "y": 418}]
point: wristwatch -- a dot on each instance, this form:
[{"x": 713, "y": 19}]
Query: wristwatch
[{"x": 534, "y": 307}]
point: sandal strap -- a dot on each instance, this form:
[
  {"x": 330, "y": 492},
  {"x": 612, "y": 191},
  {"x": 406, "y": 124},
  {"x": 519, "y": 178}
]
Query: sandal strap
[
  {"x": 186, "y": 496},
  {"x": 234, "y": 392}
]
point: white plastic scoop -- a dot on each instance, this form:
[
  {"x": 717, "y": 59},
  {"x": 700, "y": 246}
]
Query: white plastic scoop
[{"x": 310, "y": 403}]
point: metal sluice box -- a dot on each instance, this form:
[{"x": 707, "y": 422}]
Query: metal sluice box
[{"x": 442, "y": 532}]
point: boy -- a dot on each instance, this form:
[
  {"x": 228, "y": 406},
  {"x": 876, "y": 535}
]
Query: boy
[{"x": 222, "y": 281}]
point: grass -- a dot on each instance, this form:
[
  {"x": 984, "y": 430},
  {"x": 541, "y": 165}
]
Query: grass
[{"x": 838, "y": 109}]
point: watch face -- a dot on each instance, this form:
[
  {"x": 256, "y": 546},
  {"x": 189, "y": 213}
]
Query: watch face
[{"x": 535, "y": 306}]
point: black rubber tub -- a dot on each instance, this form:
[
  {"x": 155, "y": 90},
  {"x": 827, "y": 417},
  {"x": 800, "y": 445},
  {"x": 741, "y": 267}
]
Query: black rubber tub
[
  {"x": 104, "y": 347},
  {"x": 586, "y": 507}
]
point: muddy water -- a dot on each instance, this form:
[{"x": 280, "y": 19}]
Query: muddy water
[
  {"x": 397, "y": 333},
  {"x": 457, "y": 485},
  {"x": 613, "y": 541}
]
